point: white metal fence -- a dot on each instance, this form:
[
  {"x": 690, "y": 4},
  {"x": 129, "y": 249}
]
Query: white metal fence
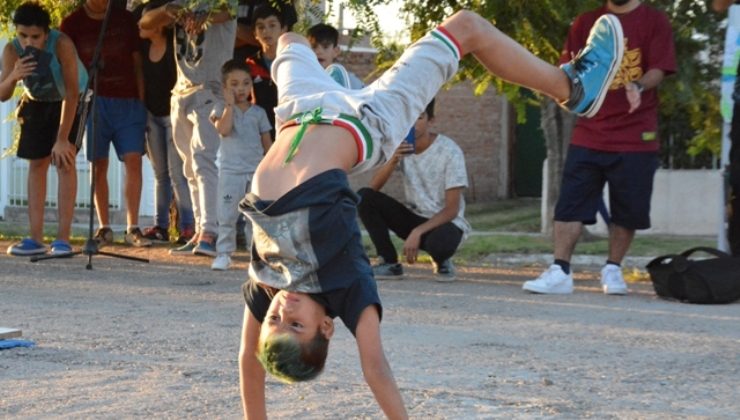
[
  {"x": 18, "y": 192},
  {"x": 14, "y": 175}
]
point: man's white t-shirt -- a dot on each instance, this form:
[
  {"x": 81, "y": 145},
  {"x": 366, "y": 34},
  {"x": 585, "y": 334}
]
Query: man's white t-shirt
[{"x": 427, "y": 175}]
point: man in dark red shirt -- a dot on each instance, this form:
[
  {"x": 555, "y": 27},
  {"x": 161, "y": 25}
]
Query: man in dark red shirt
[
  {"x": 618, "y": 146},
  {"x": 120, "y": 116}
]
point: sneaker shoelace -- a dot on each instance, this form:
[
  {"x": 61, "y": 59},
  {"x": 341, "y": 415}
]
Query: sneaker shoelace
[{"x": 582, "y": 64}]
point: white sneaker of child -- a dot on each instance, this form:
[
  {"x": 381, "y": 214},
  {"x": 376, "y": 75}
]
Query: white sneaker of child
[{"x": 221, "y": 263}]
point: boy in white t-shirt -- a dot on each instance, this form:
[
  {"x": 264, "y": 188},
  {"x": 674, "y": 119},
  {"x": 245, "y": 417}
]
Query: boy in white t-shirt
[{"x": 432, "y": 217}]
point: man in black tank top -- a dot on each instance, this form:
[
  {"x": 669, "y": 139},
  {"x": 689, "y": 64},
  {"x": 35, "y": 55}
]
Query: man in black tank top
[{"x": 160, "y": 75}]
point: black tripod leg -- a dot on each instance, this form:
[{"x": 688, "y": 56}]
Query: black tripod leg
[
  {"x": 54, "y": 256},
  {"x": 125, "y": 257}
]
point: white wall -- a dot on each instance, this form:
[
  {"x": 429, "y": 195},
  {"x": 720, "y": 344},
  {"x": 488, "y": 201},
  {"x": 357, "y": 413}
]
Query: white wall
[{"x": 684, "y": 202}]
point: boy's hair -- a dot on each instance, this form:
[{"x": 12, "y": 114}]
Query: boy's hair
[
  {"x": 264, "y": 12},
  {"x": 31, "y": 13},
  {"x": 323, "y": 34},
  {"x": 233, "y": 65},
  {"x": 430, "y": 110},
  {"x": 286, "y": 359}
]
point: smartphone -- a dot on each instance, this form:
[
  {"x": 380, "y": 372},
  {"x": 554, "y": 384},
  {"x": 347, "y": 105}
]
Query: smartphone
[
  {"x": 42, "y": 59},
  {"x": 411, "y": 139}
]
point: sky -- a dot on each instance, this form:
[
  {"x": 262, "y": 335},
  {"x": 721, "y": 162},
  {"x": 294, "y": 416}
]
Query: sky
[{"x": 391, "y": 24}]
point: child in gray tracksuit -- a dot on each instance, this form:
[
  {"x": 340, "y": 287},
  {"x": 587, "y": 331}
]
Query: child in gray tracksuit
[{"x": 245, "y": 138}]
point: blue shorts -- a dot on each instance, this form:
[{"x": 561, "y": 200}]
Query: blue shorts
[
  {"x": 630, "y": 178},
  {"x": 121, "y": 121}
]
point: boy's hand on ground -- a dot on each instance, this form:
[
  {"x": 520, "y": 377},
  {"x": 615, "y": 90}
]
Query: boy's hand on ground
[
  {"x": 411, "y": 246},
  {"x": 63, "y": 153}
]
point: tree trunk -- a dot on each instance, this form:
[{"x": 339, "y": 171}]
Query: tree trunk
[{"x": 557, "y": 128}]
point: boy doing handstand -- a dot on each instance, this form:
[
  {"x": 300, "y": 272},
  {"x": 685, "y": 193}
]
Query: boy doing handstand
[{"x": 308, "y": 265}]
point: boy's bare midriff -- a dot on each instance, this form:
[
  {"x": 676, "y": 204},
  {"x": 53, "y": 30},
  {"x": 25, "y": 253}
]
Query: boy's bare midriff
[{"x": 323, "y": 147}]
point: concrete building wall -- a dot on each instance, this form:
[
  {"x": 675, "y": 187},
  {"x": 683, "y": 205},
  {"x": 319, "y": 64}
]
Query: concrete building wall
[{"x": 684, "y": 202}]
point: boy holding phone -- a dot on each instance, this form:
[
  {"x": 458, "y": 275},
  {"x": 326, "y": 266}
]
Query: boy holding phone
[
  {"x": 433, "y": 216},
  {"x": 46, "y": 62}
]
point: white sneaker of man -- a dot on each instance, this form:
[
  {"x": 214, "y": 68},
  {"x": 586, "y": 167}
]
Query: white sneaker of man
[
  {"x": 612, "y": 281},
  {"x": 553, "y": 281},
  {"x": 222, "y": 262}
]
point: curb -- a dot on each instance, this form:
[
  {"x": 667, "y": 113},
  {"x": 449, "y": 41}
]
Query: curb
[{"x": 546, "y": 259}]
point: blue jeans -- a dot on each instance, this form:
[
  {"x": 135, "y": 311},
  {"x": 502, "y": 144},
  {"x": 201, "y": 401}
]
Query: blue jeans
[{"x": 168, "y": 174}]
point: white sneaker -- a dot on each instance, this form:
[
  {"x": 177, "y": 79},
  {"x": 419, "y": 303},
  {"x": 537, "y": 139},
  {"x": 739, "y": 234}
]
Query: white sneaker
[
  {"x": 553, "y": 281},
  {"x": 612, "y": 281},
  {"x": 221, "y": 263}
]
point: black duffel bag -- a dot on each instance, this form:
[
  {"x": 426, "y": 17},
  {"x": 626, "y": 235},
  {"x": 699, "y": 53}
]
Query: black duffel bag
[{"x": 711, "y": 280}]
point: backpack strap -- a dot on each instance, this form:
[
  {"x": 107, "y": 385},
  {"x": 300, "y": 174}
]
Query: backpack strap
[
  {"x": 659, "y": 260},
  {"x": 716, "y": 252}
]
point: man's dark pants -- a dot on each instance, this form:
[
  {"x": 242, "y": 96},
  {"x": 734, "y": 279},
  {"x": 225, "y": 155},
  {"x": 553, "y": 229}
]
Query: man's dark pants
[{"x": 733, "y": 228}]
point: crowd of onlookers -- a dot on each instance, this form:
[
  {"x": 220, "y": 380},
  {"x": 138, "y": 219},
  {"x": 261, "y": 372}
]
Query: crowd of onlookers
[{"x": 167, "y": 84}]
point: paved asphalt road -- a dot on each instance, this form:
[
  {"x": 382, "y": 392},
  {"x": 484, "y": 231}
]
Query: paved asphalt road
[{"x": 160, "y": 340}]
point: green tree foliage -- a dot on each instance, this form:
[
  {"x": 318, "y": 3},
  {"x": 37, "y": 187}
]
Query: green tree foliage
[
  {"x": 58, "y": 9},
  {"x": 690, "y": 116}
]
